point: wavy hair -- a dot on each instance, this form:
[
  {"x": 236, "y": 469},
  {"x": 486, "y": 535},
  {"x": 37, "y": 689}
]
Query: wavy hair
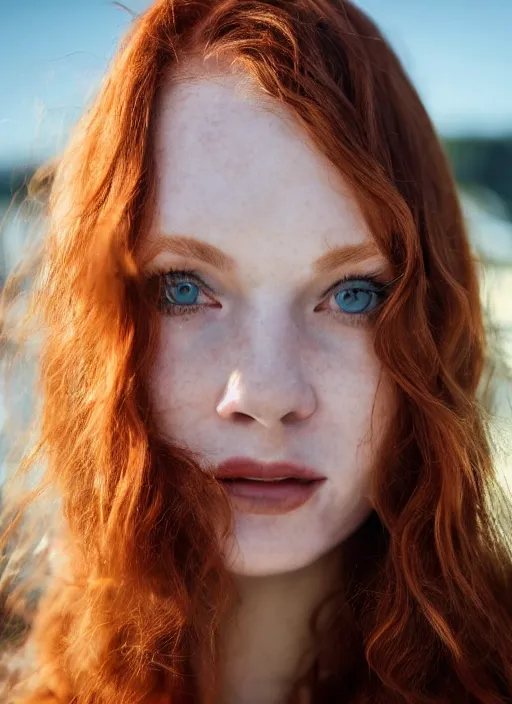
[{"x": 131, "y": 612}]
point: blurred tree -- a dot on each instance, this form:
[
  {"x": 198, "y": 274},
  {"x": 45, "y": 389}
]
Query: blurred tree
[{"x": 487, "y": 163}]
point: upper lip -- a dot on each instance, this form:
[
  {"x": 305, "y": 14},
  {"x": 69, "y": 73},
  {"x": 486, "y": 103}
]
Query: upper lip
[{"x": 244, "y": 467}]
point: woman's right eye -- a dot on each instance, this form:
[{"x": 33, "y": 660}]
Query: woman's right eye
[
  {"x": 185, "y": 293},
  {"x": 180, "y": 291}
]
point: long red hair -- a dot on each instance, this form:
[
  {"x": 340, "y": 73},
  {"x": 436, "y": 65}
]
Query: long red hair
[{"x": 132, "y": 613}]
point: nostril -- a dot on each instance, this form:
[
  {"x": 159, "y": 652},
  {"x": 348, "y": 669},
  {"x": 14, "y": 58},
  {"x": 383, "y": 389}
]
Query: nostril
[
  {"x": 241, "y": 418},
  {"x": 291, "y": 417}
]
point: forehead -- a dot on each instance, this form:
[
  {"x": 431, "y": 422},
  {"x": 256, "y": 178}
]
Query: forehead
[{"x": 242, "y": 174}]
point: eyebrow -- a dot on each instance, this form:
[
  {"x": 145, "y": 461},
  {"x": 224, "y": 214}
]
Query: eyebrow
[
  {"x": 190, "y": 247},
  {"x": 335, "y": 257}
]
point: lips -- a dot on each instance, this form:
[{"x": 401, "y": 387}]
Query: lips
[
  {"x": 267, "y": 488},
  {"x": 245, "y": 468}
]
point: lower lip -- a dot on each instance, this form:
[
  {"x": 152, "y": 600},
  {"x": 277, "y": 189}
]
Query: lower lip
[{"x": 269, "y": 498}]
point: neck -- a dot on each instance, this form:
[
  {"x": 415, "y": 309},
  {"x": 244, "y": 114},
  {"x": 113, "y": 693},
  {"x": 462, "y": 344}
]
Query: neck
[{"x": 266, "y": 641}]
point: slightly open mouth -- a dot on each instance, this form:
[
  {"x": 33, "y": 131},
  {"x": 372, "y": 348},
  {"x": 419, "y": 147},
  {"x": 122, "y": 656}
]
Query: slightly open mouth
[
  {"x": 269, "y": 496},
  {"x": 284, "y": 480}
]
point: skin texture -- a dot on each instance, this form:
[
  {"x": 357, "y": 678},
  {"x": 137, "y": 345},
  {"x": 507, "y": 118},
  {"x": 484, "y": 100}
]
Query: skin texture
[{"x": 269, "y": 368}]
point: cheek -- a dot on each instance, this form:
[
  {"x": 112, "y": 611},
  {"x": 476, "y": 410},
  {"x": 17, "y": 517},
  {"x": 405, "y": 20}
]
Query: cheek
[
  {"x": 357, "y": 405},
  {"x": 181, "y": 376},
  {"x": 350, "y": 380}
]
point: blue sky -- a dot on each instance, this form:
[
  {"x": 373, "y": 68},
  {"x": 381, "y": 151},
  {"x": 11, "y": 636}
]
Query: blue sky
[{"x": 54, "y": 52}]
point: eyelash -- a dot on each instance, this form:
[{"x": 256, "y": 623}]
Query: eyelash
[{"x": 379, "y": 287}]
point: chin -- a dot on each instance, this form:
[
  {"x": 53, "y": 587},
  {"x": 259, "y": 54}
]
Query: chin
[
  {"x": 264, "y": 546},
  {"x": 250, "y": 565}
]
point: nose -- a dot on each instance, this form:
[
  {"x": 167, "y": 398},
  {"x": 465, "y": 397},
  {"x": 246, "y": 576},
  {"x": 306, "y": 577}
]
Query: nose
[{"x": 267, "y": 384}]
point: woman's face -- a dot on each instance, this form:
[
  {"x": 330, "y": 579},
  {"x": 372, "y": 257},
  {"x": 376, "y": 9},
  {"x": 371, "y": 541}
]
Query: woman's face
[{"x": 261, "y": 355}]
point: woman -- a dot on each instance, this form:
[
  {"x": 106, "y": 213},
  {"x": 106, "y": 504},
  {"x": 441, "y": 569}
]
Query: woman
[{"x": 260, "y": 371}]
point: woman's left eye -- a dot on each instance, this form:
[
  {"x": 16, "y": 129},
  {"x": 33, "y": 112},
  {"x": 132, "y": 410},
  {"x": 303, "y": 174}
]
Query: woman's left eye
[{"x": 358, "y": 296}]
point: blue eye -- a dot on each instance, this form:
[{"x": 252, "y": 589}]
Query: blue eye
[
  {"x": 182, "y": 293},
  {"x": 357, "y": 297}
]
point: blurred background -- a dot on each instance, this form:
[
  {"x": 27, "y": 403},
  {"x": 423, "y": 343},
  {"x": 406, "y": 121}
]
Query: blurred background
[{"x": 53, "y": 54}]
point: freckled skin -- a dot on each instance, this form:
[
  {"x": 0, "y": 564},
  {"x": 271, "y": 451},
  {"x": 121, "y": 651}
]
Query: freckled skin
[{"x": 265, "y": 375}]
